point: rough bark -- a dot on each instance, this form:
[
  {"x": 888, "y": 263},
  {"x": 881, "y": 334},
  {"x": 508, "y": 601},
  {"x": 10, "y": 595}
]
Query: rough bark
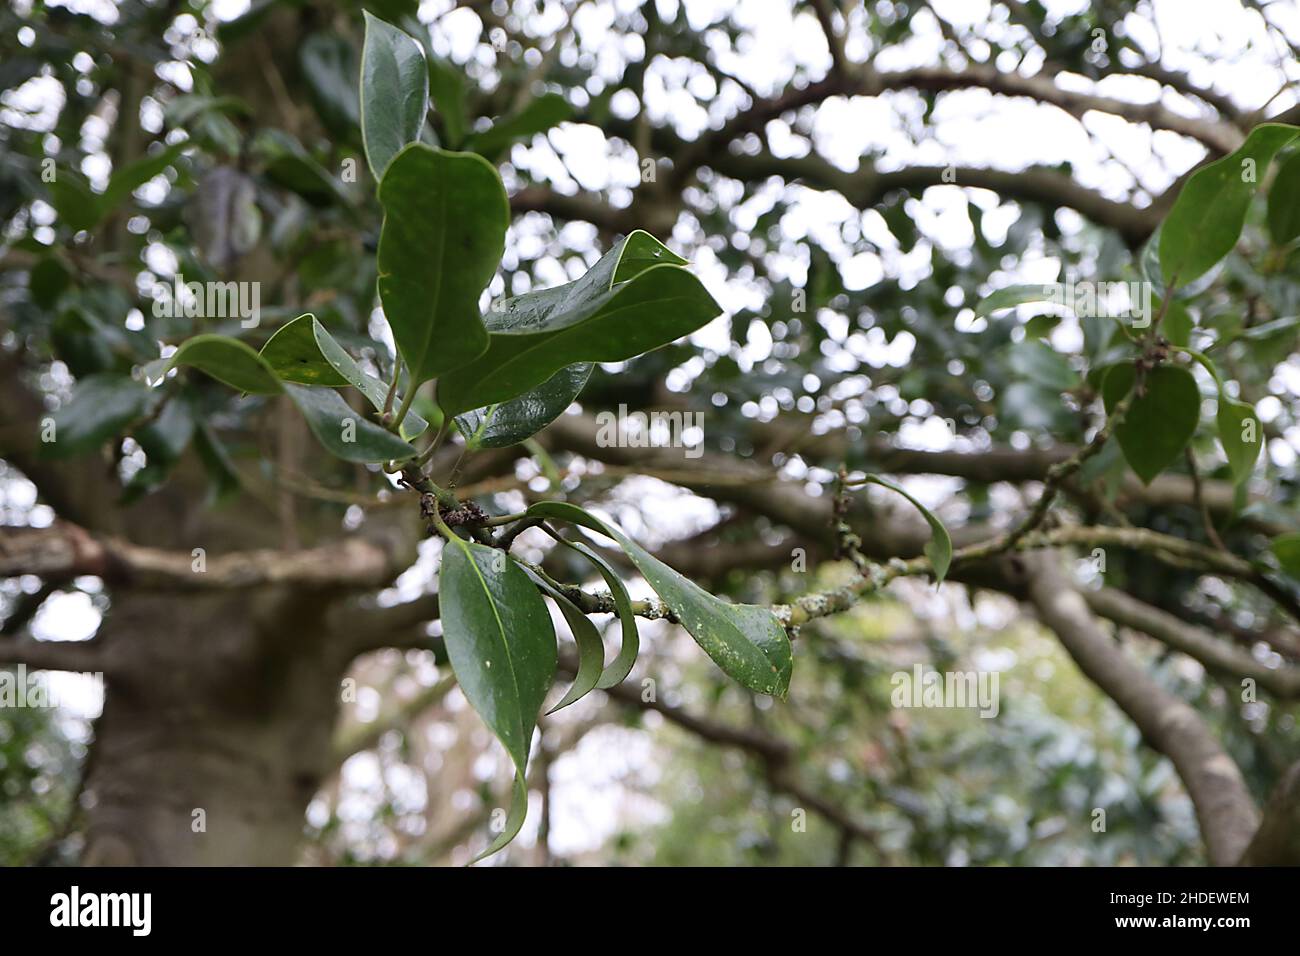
[{"x": 219, "y": 702}]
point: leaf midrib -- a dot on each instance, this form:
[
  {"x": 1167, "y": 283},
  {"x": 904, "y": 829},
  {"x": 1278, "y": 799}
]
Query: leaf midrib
[{"x": 501, "y": 629}]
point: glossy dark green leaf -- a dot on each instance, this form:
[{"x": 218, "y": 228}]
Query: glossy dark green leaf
[
  {"x": 445, "y": 218},
  {"x": 655, "y": 307},
  {"x": 512, "y": 422},
  {"x": 1284, "y": 201},
  {"x": 939, "y": 548},
  {"x": 537, "y": 116},
  {"x": 394, "y": 92},
  {"x": 591, "y": 650},
  {"x": 227, "y": 360},
  {"x": 294, "y": 356},
  {"x": 1160, "y": 422},
  {"x": 1242, "y": 435},
  {"x": 374, "y": 389},
  {"x": 345, "y": 432},
  {"x": 1206, "y": 219},
  {"x": 745, "y": 640},
  {"x": 502, "y": 647},
  {"x": 101, "y": 406}
]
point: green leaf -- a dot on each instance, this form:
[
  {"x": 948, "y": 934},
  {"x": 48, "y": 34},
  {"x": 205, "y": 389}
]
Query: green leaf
[
  {"x": 73, "y": 199},
  {"x": 591, "y": 650},
  {"x": 1241, "y": 434},
  {"x": 1284, "y": 201},
  {"x": 621, "y": 665},
  {"x": 1206, "y": 219},
  {"x": 745, "y": 640},
  {"x": 656, "y": 307},
  {"x": 343, "y": 431},
  {"x": 294, "y": 356},
  {"x": 329, "y": 65},
  {"x": 502, "y": 648},
  {"x": 163, "y": 440},
  {"x": 1012, "y": 296},
  {"x": 1160, "y": 422},
  {"x": 227, "y": 360},
  {"x": 518, "y": 419},
  {"x": 374, "y": 389},
  {"x": 447, "y": 85},
  {"x": 445, "y": 218},
  {"x": 101, "y": 406},
  {"x": 939, "y": 547},
  {"x": 538, "y": 116},
  {"x": 394, "y": 92},
  {"x": 222, "y": 476},
  {"x": 1177, "y": 324},
  {"x": 1041, "y": 326},
  {"x": 1286, "y": 548}
]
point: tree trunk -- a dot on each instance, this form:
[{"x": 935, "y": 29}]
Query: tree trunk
[{"x": 216, "y": 728}]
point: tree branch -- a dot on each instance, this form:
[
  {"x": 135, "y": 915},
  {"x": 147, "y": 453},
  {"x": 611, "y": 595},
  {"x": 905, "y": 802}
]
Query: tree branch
[{"x": 1227, "y": 814}]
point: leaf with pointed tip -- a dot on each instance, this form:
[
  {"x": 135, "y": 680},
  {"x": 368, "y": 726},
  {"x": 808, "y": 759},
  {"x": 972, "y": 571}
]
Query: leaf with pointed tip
[
  {"x": 1206, "y": 219},
  {"x": 939, "y": 547},
  {"x": 745, "y": 640},
  {"x": 502, "y": 647},
  {"x": 304, "y": 352},
  {"x": 394, "y": 92},
  {"x": 656, "y": 307},
  {"x": 620, "y": 666},
  {"x": 591, "y": 650},
  {"x": 1241, "y": 435},
  {"x": 1160, "y": 422},
  {"x": 374, "y": 389},
  {"x": 343, "y": 431},
  {"x": 295, "y": 357},
  {"x": 445, "y": 218},
  {"x": 227, "y": 360}
]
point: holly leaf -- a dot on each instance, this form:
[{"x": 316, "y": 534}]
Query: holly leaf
[
  {"x": 445, "y": 218},
  {"x": 394, "y": 92},
  {"x": 745, "y": 640},
  {"x": 502, "y": 647}
]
